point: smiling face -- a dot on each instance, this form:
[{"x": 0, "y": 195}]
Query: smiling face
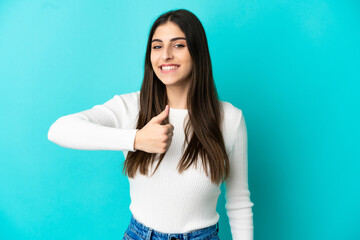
[{"x": 170, "y": 57}]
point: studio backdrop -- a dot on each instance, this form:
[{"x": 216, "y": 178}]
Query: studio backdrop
[{"x": 292, "y": 67}]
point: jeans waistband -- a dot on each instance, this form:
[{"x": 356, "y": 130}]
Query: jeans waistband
[{"x": 147, "y": 232}]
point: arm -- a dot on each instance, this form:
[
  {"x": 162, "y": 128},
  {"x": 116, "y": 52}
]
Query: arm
[
  {"x": 98, "y": 128},
  {"x": 238, "y": 204}
]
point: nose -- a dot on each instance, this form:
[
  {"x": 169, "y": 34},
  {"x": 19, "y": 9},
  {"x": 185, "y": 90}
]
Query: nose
[{"x": 167, "y": 53}]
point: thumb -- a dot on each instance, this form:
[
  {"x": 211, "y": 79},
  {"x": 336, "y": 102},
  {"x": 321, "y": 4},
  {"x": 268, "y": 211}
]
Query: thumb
[{"x": 159, "y": 118}]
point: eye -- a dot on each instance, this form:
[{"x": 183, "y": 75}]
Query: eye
[
  {"x": 180, "y": 45},
  {"x": 155, "y": 47}
]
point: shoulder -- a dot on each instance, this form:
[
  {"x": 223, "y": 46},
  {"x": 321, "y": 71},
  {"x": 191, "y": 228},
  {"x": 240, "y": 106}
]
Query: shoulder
[
  {"x": 231, "y": 117},
  {"x": 231, "y": 114},
  {"x": 125, "y": 105},
  {"x": 128, "y": 97},
  {"x": 129, "y": 101}
]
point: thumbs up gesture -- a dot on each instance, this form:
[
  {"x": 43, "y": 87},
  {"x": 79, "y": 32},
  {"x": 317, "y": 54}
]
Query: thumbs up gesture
[{"x": 154, "y": 137}]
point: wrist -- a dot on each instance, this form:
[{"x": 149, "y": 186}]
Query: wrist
[{"x": 137, "y": 140}]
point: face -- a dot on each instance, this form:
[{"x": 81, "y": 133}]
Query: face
[{"x": 170, "y": 57}]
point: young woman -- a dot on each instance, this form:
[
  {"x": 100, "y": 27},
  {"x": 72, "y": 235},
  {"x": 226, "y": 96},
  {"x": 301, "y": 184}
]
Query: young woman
[{"x": 179, "y": 141}]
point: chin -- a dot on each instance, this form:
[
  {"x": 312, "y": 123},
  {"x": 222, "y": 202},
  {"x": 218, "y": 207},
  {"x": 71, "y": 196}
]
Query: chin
[{"x": 169, "y": 81}]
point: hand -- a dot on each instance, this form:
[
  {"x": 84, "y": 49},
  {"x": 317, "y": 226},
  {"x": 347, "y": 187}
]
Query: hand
[{"x": 153, "y": 137}]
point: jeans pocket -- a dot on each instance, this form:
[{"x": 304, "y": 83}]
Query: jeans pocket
[
  {"x": 126, "y": 237},
  {"x": 130, "y": 234},
  {"x": 208, "y": 236},
  {"x": 214, "y": 236}
]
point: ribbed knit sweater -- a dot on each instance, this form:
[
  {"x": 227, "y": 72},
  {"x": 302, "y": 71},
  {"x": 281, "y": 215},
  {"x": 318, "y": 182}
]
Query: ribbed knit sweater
[{"x": 167, "y": 202}]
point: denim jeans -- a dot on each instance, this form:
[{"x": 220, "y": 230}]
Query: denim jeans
[{"x": 138, "y": 231}]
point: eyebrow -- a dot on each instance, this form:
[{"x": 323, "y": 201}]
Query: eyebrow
[{"x": 173, "y": 39}]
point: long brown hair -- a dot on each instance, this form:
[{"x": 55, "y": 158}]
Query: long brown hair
[{"x": 204, "y": 109}]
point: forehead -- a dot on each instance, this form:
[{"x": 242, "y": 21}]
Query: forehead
[{"x": 167, "y": 31}]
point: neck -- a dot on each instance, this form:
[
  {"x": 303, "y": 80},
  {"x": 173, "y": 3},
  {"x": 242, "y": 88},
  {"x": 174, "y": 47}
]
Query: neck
[{"x": 177, "y": 97}]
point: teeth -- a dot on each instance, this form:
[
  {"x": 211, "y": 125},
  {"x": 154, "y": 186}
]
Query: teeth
[{"x": 167, "y": 68}]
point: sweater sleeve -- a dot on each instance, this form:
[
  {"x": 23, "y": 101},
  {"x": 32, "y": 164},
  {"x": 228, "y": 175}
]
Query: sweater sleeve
[
  {"x": 238, "y": 204},
  {"x": 103, "y": 127}
]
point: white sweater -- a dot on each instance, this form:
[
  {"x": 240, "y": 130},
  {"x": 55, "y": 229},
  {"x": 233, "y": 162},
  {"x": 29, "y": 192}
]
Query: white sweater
[{"x": 168, "y": 202}]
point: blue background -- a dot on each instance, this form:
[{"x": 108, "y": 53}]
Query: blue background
[{"x": 291, "y": 66}]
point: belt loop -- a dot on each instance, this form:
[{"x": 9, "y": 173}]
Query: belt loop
[
  {"x": 148, "y": 236},
  {"x": 217, "y": 226}
]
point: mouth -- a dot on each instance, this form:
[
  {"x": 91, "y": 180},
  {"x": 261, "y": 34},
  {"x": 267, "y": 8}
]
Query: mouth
[{"x": 168, "y": 69}]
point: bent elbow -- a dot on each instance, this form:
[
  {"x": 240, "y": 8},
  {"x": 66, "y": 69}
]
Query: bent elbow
[
  {"x": 52, "y": 132},
  {"x": 57, "y": 130}
]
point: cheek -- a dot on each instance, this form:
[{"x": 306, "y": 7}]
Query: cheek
[
  {"x": 189, "y": 63},
  {"x": 153, "y": 64},
  {"x": 187, "y": 58},
  {"x": 154, "y": 60}
]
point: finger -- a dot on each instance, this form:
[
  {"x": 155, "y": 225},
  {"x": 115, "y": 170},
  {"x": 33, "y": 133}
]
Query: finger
[
  {"x": 170, "y": 127},
  {"x": 159, "y": 118}
]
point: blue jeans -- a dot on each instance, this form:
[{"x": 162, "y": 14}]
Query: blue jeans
[{"x": 138, "y": 231}]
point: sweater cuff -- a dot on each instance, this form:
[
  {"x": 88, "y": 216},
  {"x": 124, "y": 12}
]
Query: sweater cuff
[{"x": 126, "y": 138}]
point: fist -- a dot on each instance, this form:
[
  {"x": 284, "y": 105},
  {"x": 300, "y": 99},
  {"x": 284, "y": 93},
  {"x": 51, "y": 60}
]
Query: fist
[{"x": 154, "y": 137}]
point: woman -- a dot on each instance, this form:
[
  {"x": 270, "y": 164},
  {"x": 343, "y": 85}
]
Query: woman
[{"x": 179, "y": 141}]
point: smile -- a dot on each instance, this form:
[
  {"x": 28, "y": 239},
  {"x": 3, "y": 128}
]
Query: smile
[{"x": 168, "y": 69}]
